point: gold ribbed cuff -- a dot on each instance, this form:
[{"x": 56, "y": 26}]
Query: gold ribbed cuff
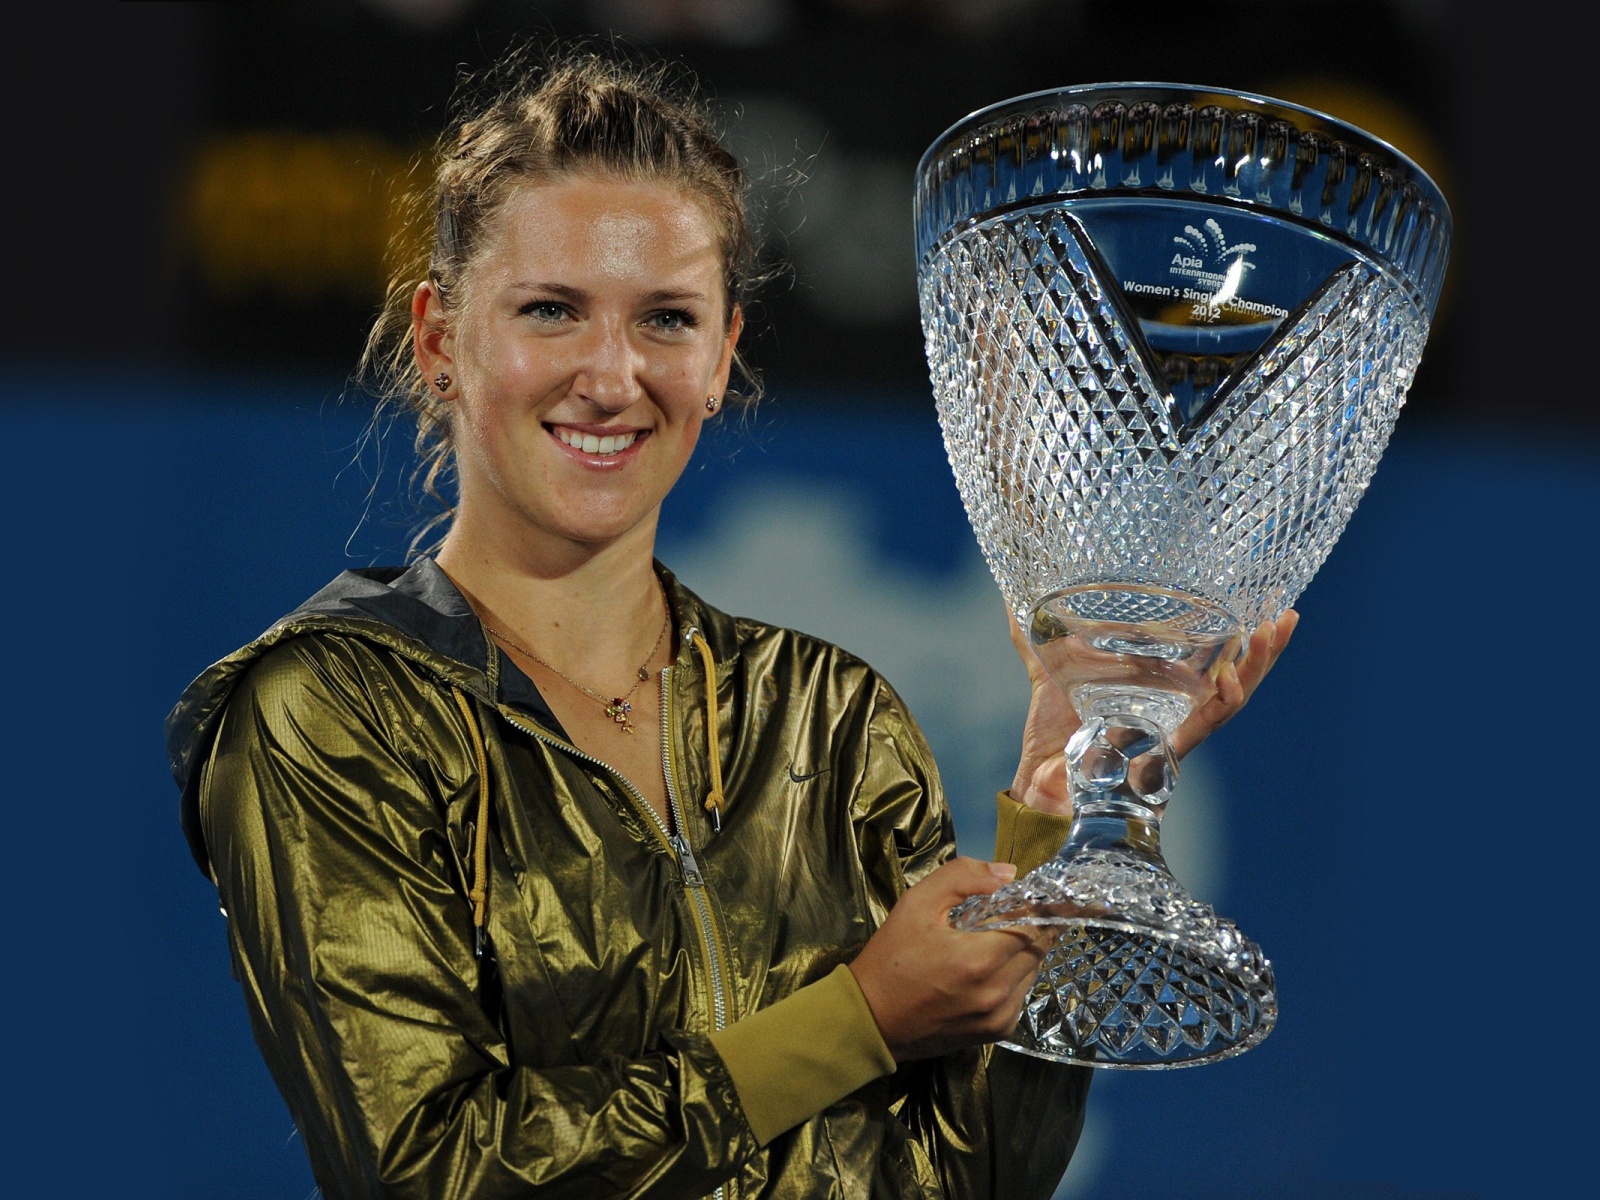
[
  {"x": 793, "y": 1059},
  {"x": 1026, "y": 836}
]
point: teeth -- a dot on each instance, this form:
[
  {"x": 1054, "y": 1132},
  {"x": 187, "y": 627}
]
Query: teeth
[{"x": 602, "y": 446}]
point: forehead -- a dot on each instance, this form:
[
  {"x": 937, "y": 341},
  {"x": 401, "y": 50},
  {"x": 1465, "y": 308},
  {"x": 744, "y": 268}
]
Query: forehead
[{"x": 604, "y": 229}]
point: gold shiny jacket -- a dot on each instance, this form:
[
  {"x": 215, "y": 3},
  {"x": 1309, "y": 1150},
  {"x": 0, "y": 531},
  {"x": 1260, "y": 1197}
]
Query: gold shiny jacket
[{"x": 479, "y": 966}]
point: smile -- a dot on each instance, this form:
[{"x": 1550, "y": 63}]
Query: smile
[{"x": 603, "y": 447}]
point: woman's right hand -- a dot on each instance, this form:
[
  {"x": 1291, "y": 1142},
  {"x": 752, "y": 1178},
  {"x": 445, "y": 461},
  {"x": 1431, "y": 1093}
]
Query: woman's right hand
[{"x": 933, "y": 988}]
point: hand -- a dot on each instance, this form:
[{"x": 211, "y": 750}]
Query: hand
[
  {"x": 1041, "y": 779},
  {"x": 1236, "y": 683},
  {"x": 933, "y": 988}
]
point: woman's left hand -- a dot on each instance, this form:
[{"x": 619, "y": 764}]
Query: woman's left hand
[{"x": 1041, "y": 779}]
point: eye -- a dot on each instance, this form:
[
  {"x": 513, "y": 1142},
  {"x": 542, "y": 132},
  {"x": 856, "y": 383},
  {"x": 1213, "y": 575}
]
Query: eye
[
  {"x": 670, "y": 320},
  {"x": 544, "y": 310}
]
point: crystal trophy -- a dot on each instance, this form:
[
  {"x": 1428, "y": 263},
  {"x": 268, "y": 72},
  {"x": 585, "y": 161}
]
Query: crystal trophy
[{"x": 1169, "y": 329}]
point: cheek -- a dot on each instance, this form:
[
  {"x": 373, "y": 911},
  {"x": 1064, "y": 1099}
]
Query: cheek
[
  {"x": 505, "y": 381},
  {"x": 693, "y": 423},
  {"x": 476, "y": 436},
  {"x": 685, "y": 380},
  {"x": 501, "y": 362}
]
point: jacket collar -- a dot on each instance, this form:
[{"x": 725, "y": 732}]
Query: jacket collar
[
  {"x": 416, "y": 612},
  {"x": 422, "y": 605}
]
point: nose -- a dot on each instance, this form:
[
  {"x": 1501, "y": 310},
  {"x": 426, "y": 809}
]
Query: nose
[{"x": 609, "y": 366}]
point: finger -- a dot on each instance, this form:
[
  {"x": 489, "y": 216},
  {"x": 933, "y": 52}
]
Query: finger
[
  {"x": 1036, "y": 940},
  {"x": 1230, "y": 691},
  {"x": 1225, "y": 702},
  {"x": 1024, "y": 649},
  {"x": 1014, "y": 981},
  {"x": 1250, "y": 669},
  {"x": 1017, "y": 638},
  {"x": 1003, "y": 958},
  {"x": 1028, "y": 943},
  {"x": 1257, "y": 658},
  {"x": 1018, "y": 974},
  {"x": 1279, "y": 633},
  {"x": 1049, "y": 789},
  {"x": 1042, "y": 939},
  {"x": 1230, "y": 654},
  {"x": 1287, "y": 623},
  {"x": 960, "y": 878}
]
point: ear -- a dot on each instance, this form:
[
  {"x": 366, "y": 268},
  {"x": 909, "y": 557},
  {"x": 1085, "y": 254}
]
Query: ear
[
  {"x": 432, "y": 339},
  {"x": 719, "y": 381}
]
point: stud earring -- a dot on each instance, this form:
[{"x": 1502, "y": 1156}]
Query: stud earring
[
  {"x": 713, "y": 403},
  {"x": 442, "y": 381}
]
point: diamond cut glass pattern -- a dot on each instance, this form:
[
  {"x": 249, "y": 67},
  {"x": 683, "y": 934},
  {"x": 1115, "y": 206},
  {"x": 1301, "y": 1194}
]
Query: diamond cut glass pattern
[
  {"x": 1169, "y": 331},
  {"x": 1075, "y": 468}
]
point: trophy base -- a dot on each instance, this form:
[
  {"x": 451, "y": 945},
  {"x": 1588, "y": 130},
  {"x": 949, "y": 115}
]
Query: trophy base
[{"x": 1145, "y": 978}]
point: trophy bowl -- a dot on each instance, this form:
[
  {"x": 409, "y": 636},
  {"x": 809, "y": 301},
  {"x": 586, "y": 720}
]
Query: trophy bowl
[{"x": 1169, "y": 330}]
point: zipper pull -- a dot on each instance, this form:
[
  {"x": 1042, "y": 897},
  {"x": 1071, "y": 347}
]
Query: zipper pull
[{"x": 686, "y": 861}]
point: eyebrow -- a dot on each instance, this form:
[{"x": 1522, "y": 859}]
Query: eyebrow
[{"x": 568, "y": 292}]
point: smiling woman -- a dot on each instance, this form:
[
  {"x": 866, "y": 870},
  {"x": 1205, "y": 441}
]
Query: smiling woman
[
  {"x": 598, "y": 337},
  {"x": 543, "y": 876}
]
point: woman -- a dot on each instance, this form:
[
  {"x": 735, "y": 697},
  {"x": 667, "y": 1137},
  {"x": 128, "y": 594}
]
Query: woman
[{"x": 542, "y": 875}]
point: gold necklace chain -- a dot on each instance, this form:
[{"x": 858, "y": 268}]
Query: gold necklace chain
[{"x": 617, "y": 707}]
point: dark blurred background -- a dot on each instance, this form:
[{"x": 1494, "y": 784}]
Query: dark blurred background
[
  {"x": 200, "y": 202},
  {"x": 228, "y": 170}
]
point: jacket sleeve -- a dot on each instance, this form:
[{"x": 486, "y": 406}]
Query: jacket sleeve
[
  {"x": 352, "y": 939},
  {"x": 986, "y": 1123}
]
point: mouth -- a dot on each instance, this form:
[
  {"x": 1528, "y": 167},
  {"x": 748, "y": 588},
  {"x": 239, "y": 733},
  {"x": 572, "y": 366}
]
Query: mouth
[{"x": 596, "y": 448}]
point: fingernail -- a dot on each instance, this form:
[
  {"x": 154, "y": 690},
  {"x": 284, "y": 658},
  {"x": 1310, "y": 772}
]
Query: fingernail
[{"x": 1001, "y": 870}]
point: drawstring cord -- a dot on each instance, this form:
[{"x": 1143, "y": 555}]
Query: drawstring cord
[
  {"x": 715, "y": 800},
  {"x": 479, "y": 894}
]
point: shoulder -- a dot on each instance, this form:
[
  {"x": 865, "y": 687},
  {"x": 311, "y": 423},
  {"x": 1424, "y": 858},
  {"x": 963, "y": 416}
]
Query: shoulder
[
  {"x": 327, "y": 730},
  {"x": 759, "y": 645},
  {"x": 803, "y": 682},
  {"x": 328, "y": 668},
  {"x": 312, "y": 691},
  {"x": 835, "y": 710},
  {"x": 326, "y": 696},
  {"x": 796, "y": 663}
]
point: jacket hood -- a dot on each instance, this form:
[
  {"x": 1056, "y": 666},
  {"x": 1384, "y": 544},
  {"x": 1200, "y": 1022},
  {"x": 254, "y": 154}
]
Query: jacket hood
[{"x": 416, "y": 612}]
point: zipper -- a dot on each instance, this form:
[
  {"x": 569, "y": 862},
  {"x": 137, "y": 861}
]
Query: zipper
[
  {"x": 676, "y": 843},
  {"x": 691, "y": 868},
  {"x": 633, "y": 792},
  {"x": 692, "y": 878}
]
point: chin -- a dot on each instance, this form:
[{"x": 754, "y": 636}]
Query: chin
[{"x": 596, "y": 529}]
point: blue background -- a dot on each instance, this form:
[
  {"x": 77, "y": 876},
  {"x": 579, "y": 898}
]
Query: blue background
[{"x": 1409, "y": 799}]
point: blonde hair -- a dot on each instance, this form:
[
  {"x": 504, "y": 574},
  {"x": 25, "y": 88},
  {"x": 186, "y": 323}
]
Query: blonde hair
[{"x": 534, "y": 116}]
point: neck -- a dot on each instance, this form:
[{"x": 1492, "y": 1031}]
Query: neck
[{"x": 590, "y": 610}]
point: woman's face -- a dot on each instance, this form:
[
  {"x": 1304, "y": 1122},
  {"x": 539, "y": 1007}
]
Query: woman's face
[{"x": 595, "y": 326}]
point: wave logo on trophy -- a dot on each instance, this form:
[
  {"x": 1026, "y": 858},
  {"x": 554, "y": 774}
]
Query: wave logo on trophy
[
  {"x": 1227, "y": 264},
  {"x": 1169, "y": 331}
]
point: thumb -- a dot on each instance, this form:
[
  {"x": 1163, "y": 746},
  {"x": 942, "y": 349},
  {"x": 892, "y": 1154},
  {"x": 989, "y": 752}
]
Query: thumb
[
  {"x": 1024, "y": 649},
  {"x": 963, "y": 877}
]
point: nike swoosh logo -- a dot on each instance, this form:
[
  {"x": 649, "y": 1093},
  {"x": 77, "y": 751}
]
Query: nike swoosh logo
[{"x": 803, "y": 778}]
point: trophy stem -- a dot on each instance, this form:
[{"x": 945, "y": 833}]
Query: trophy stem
[
  {"x": 1146, "y": 976},
  {"x": 1128, "y": 829}
]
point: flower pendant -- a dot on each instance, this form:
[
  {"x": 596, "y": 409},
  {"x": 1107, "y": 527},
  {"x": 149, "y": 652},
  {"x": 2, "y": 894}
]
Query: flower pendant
[{"x": 618, "y": 711}]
